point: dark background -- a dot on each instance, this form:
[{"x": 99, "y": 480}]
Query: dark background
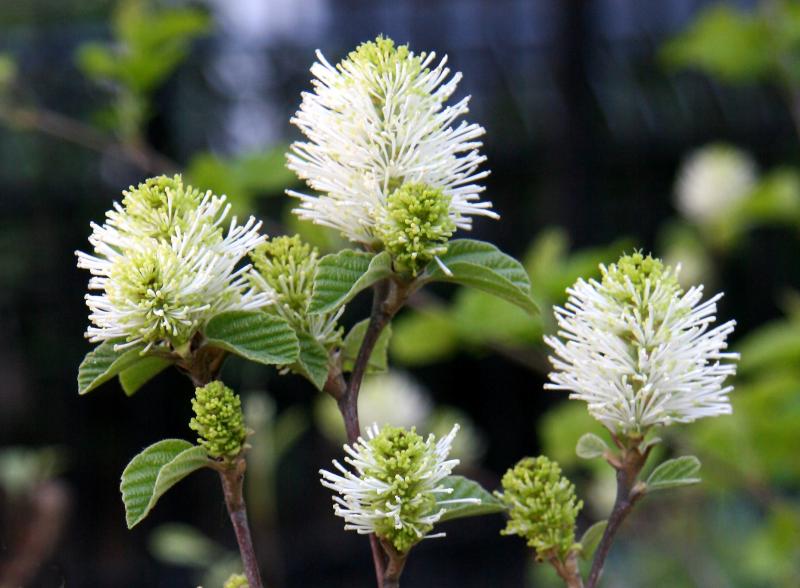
[{"x": 585, "y": 130}]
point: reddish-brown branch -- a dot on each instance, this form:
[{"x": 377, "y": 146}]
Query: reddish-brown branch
[
  {"x": 232, "y": 486},
  {"x": 629, "y": 492},
  {"x": 388, "y": 298}
]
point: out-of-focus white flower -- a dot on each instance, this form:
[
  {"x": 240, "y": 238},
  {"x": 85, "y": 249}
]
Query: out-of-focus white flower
[
  {"x": 395, "y": 487},
  {"x": 712, "y": 181},
  {"x": 639, "y": 350},
  {"x": 393, "y": 398},
  {"x": 378, "y": 122},
  {"x": 470, "y": 444},
  {"x": 164, "y": 265}
]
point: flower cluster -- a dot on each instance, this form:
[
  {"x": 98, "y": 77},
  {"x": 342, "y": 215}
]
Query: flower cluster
[
  {"x": 542, "y": 506},
  {"x": 417, "y": 226},
  {"x": 712, "y": 181},
  {"x": 377, "y": 123},
  {"x": 285, "y": 269},
  {"x": 639, "y": 350},
  {"x": 164, "y": 265},
  {"x": 396, "y": 491},
  {"x": 218, "y": 420}
]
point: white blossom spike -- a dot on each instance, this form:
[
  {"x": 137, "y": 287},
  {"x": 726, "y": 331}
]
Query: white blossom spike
[
  {"x": 375, "y": 122},
  {"x": 163, "y": 265},
  {"x": 640, "y": 351},
  {"x": 393, "y": 487}
]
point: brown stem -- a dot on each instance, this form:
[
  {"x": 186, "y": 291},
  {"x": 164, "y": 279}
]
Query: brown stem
[
  {"x": 568, "y": 570},
  {"x": 396, "y": 561},
  {"x": 629, "y": 492},
  {"x": 232, "y": 486},
  {"x": 203, "y": 366},
  {"x": 74, "y": 131},
  {"x": 388, "y": 298}
]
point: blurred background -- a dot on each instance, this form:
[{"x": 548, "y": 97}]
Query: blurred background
[{"x": 611, "y": 125}]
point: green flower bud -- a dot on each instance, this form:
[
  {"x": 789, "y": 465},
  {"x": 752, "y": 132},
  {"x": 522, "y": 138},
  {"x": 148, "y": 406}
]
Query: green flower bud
[
  {"x": 219, "y": 421},
  {"x": 399, "y": 456},
  {"x": 417, "y": 225},
  {"x": 236, "y": 581},
  {"x": 382, "y": 55},
  {"x": 160, "y": 205},
  {"x": 640, "y": 272},
  {"x": 542, "y": 506},
  {"x": 285, "y": 268}
]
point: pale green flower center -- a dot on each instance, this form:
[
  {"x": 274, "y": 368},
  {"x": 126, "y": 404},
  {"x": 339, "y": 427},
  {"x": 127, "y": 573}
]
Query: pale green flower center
[
  {"x": 401, "y": 462},
  {"x": 417, "y": 226}
]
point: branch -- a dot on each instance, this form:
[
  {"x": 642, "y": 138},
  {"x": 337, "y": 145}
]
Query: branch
[
  {"x": 568, "y": 570},
  {"x": 394, "y": 567},
  {"x": 74, "y": 131},
  {"x": 629, "y": 492},
  {"x": 203, "y": 367},
  {"x": 388, "y": 298},
  {"x": 232, "y": 483}
]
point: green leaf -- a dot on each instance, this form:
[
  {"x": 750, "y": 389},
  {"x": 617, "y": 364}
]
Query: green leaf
[
  {"x": 352, "y": 343},
  {"x": 590, "y": 446},
  {"x": 142, "y": 372},
  {"x": 465, "y": 488},
  {"x": 312, "y": 362},
  {"x": 342, "y": 275},
  {"x": 591, "y": 539},
  {"x": 103, "y": 363},
  {"x": 154, "y": 471},
  {"x": 674, "y": 473},
  {"x": 254, "y": 335},
  {"x": 726, "y": 42},
  {"x": 244, "y": 178},
  {"x": 483, "y": 266}
]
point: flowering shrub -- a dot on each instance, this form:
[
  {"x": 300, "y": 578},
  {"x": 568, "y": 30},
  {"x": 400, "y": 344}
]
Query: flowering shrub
[{"x": 393, "y": 172}]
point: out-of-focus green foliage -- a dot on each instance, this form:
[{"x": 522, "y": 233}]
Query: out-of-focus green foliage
[
  {"x": 182, "y": 545},
  {"x": 436, "y": 331},
  {"x": 243, "y": 178},
  {"x": 22, "y": 468},
  {"x": 148, "y": 43},
  {"x": 725, "y": 42},
  {"x": 8, "y": 71},
  {"x": 741, "y": 46}
]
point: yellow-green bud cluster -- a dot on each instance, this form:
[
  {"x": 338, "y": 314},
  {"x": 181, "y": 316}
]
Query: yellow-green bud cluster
[
  {"x": 400, "y": 457},
  {"x": 236, "y": 581},
  {"x": 397, "y": 490},
  {"x": 385, "y": 56},
  {"x": 159, "y": 206},
  {"x": 643, "y": 273},
  {"x": 417, "y": 225},
  {"x": 218, "y": 420},
  {"x": 163, "y": 265},
  {"x": 286, "y": 266},
  {"x": 542, "y": 506}
]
